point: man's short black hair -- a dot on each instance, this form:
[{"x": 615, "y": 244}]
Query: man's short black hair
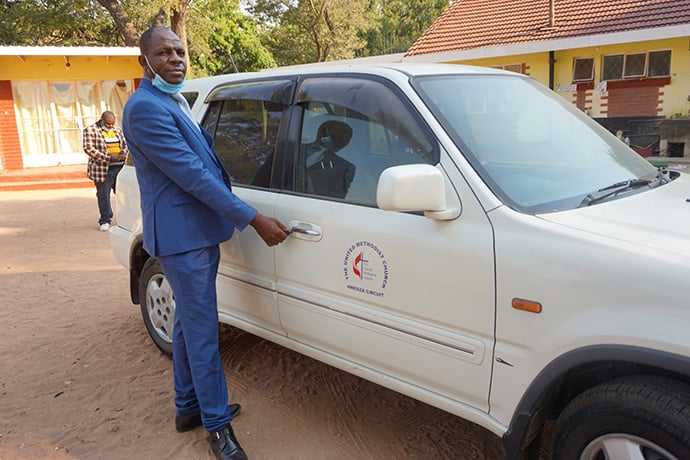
[
  {"x": 107, "y": 114},
  {"x": 145, "y": 39}
]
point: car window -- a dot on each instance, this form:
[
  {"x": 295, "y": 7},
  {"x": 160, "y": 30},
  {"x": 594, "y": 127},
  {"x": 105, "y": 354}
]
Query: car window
[
  {"x": 535, "y": 150},
  {"x": 351, "y": 131},
  {"x": 244, "y": 121},
  {"x": 191, "y": 97}
]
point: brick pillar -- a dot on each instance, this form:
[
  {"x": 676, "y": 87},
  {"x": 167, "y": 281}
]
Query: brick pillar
[
  {"x": 10, "y": 148},
  {"x": 582, "y": 98},
  {"x": 627, "y": 102},
  {"x": 636, "y": 97}
]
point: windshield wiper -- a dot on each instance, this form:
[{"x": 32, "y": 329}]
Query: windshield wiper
[{"x": 615, "y": 189}]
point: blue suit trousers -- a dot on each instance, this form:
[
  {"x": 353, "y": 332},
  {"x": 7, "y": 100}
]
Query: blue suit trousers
[{"x": 199, "y": 378}]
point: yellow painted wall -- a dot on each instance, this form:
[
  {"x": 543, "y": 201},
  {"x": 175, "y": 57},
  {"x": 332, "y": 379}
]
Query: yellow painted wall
[
  {"x": 538, "y": 64},
  {"x": 53, "y": 68},
  {"x": 676, "y": 94}
]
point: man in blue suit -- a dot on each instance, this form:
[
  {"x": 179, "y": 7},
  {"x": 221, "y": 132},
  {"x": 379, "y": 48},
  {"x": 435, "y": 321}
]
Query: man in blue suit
[{"x": 188, "y": 209}]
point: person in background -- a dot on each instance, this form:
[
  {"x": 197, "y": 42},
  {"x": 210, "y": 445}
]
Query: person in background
[
  {"x": 188, "y": 209},
  {"x": 106, "y": 147},
  {"x": 619, "y": 135}
]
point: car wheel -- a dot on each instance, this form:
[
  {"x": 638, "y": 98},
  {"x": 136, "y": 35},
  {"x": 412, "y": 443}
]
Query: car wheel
[
  {"x": 632, "y": 418},
  {"x": 157, "y": 304}
]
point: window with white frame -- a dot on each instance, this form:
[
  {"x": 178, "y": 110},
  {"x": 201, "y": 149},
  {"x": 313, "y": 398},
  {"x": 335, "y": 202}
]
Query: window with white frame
[
  {"x": 636, "y": 65},
  {"x": 612, "y": 67},
  {"x": 583, "y": 69},
  {"x": 659, "y": 63}
]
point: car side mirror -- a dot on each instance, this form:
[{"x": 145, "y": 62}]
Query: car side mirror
[{"x": 416, "y": 187}]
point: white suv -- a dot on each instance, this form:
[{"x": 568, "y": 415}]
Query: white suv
[{"x": 461, "y": 235}]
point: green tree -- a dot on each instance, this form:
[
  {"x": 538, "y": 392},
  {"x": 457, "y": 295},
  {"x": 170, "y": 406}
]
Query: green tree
[
  {"x": 213, "y": 29},
  {"x": 220, "y": 36},
  {"x": 222, "y": 39},
  {"x": 299, "y": 31},
  {"x": 55, "y": 22},
  {"x": 218, "y": 29},
  {"x": 400, "y": 23},
  {"x": 132, "y": 17}
]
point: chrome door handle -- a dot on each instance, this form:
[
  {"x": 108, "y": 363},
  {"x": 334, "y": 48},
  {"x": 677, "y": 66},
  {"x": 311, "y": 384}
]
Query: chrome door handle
[{"x": 304, "y": 230}]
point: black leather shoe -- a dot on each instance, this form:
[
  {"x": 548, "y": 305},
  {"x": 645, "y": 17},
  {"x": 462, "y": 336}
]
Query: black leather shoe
[
  {"x": 190, "y": 422},
  {"x": 225, "y": 445}
]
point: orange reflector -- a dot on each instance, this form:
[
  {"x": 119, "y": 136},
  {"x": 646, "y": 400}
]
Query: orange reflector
[{"x": 526, "y": 305}]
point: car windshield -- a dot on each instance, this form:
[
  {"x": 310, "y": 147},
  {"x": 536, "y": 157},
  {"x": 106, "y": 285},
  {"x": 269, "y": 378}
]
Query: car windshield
[{"x": 534, "y": 149}]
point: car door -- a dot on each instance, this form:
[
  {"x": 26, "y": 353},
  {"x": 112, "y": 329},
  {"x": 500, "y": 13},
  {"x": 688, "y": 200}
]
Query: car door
[
  {"x": 402, "y": 298},
  {"x": 245, "y": 119}
]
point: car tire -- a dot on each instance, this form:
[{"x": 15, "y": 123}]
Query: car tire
[
  {"x": 157, "y": 304},
  {"x": 641, "y": 417}
]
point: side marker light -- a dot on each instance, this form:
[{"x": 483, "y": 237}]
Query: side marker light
[{"x": 526, "y": 305}]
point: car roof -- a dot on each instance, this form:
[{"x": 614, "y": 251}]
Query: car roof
[
  {"x": 410, "y": 69},
  {"x": 201, "y": 83},
  {"x": 205, "y": 85}
]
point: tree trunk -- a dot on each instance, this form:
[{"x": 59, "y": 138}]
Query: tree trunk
[
  {"x": 122, "y": 22},
  {"x": 126, "y": 27},
  {"x": 178, "y": 24}
]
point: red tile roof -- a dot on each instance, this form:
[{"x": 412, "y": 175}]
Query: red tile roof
[{"x": 470, "y": 24}]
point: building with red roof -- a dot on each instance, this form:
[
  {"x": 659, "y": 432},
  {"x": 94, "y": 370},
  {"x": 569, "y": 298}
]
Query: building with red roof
[{"x": 624, "y": 62}]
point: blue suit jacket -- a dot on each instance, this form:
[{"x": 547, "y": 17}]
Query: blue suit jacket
[{"x": 186, "y": 198}]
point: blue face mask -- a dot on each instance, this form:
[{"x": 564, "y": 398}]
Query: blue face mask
[
  {"x": 166, "y": 87},
  {"x": 327, "y": 143},
  {"x": 163, "y": 85}
]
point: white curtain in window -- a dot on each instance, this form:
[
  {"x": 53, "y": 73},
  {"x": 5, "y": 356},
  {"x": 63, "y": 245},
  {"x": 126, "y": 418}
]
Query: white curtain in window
[
  {"x": 90, "y": 101},
  {"x": 117, "y": 92},
  {"x": 52, "y": 115},
  {"x": 67, "y": 134},
  {"x": 34, "y": 118}
]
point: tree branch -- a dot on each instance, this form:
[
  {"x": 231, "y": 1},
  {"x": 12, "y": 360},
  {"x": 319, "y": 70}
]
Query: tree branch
[{"x": 122, "y": 22}]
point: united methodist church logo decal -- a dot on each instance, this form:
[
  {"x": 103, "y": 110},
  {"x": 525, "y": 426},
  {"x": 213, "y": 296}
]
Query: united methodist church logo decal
[{"x": 365, "y": 268}]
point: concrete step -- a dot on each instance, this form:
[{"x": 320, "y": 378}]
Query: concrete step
[{"x": 71, "y": 176}]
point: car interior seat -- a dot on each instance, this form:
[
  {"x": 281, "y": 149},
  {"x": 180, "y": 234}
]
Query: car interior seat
[{"x": 329, "y": 174}]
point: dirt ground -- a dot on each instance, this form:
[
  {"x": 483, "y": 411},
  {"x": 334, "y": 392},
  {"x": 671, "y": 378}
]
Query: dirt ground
[{"x": 80, "y": 378}]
